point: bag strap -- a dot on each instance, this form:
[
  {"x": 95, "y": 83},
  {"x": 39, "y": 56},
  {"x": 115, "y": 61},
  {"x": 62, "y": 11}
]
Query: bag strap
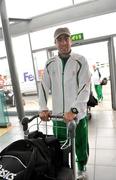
[{"x": 26, "y": 174}]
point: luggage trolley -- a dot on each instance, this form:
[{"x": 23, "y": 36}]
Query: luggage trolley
[{"x": 67, "y": 146}]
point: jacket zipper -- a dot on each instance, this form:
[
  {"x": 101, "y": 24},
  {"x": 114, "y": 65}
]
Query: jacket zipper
[{"x": 63, "y": 89}]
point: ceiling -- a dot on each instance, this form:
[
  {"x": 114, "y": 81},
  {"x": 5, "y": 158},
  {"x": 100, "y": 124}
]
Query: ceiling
[
  {"x": 31, "y": 8},
  {"x": 55, "y": 17}
]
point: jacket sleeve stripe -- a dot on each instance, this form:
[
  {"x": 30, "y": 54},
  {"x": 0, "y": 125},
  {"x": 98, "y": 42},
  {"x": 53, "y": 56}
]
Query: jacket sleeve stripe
[
  {"x": 78, "y": 71},
  {"x": 81, "y": 89},
  {"x": 44, "y": 93}
]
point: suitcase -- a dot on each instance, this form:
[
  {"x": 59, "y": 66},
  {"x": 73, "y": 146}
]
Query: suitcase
[{"x": 67, "y": 172}]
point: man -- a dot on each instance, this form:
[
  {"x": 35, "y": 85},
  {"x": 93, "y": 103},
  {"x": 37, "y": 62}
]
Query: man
[
  {"x": 68, "y": 77},
  {"x": 97, "y": 83}
]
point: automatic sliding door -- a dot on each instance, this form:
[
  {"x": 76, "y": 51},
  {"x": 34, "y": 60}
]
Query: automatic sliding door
[{"x": 97, "y": 53}]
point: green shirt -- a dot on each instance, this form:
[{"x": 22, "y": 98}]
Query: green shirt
[{"x": 64, "y": 60}]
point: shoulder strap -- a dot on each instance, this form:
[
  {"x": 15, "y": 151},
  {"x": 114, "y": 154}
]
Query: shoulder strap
[{"x": 99, "y": 73}]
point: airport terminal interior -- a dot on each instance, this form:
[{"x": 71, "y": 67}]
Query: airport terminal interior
[
  {"x": 102, "y": 135},
  {"x": 95, "y": 38}
]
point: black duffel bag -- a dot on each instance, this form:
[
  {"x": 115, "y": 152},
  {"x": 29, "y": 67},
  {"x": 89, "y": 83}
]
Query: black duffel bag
[
  {"x": 104, "y": 81},
  {"x": 92, "y": 101},
  {"x": 39, "y": 158}
]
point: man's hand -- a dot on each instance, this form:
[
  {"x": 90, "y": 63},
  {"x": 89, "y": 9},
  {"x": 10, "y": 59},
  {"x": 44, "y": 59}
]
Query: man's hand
[
  {"x": 44, "y": 115},
  {"x": 69, "y": 116}
]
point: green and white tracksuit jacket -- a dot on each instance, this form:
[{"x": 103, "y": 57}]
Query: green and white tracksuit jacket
[{"x": 70, "y": 88}]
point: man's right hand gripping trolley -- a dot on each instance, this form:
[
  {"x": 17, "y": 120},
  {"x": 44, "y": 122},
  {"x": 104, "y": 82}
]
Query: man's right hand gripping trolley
[{"x": 67, "y": 170}]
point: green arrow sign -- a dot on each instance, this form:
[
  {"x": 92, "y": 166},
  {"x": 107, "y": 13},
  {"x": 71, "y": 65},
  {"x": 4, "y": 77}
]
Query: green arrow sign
[{"x": 77, "y": 37}]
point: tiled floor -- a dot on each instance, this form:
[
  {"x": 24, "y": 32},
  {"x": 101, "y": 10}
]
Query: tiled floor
[{"x": 102, "y": 140}]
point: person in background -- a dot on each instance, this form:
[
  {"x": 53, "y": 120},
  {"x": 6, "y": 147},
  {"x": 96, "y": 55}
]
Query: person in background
[
  {"x": 68, "y": 77},
  {"x": 96, "y": 77},
  {"x": 1, "y": 82},
  {"x": 5, "y": 82}
]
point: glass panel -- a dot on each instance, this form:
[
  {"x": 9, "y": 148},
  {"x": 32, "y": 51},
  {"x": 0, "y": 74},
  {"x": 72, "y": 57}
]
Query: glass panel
[
  {"x": 24, "y": 63},
  {"x": 42, "y": 38},
  {"x": 95, "y": 53},
  {"x": 2, "y": 49},
  {"x": 40, "y": 59}
]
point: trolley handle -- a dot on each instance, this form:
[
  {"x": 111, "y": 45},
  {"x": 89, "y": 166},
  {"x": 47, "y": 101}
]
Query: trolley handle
[
  {"x": 26, "y": 120},
  {"x": 57, "y": 116}
]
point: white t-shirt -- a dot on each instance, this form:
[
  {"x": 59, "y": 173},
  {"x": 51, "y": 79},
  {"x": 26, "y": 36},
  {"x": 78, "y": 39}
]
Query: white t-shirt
[{"x": 96, "y": 78}]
